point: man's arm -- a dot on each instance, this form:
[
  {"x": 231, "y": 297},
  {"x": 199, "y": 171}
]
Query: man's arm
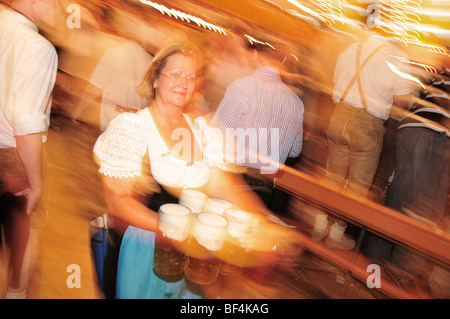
[
  {"x": 29, "y": 148},
  {"x": 297, "y": 146},
  {"x": 401, "y": 105},
  {"x": 33, "y": 86}
]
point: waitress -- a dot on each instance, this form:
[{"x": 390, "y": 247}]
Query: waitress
[{"x": 134, "y": 141}]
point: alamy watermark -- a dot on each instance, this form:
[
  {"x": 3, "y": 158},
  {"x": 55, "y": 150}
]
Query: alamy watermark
[
  {"x": 73, "y": 21},
  {"x": 74, "y": 279},
  {"x": 373, "y": 18},
  {"x": 259, "y": 148},
  {"x": 374, "y": 279}
]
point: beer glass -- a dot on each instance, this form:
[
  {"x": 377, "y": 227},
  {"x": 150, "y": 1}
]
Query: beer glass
[
  {"x": 207, "y": 236},
  {"x": 237, "y": 243},
  {"x": 172, "y": 236},
  {"x": 216, "y": 205},
  {"x": 193, "y": 199}
]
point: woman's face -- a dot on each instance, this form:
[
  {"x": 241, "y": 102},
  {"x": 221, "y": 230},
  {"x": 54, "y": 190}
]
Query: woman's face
[{"x": 176, "y": 83}]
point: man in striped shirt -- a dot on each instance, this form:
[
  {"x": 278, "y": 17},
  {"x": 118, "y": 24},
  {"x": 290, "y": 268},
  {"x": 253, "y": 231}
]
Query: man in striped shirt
[{"x": 260, "y": 120}]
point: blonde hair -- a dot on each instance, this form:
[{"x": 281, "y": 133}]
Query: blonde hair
[{"x": 159, "y": 62}]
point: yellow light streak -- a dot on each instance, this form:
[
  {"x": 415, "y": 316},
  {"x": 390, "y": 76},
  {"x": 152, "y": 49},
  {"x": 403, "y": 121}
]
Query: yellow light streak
[
  {"x": 252, "y": 39},
  {"x": 396, "y": 16},
  {"x": 184, "y": 17},
  {"x": 307, "y": 10},
  {"x": 435, "y": 13},
  {"x": 330, "y": 9},
  {"x": 401, "y": 19},
  {"x": 275, "y": 4},
  {"x": 404, "y": 75},
  {"x": 426, "y": 67},
  {"x": 268, "y": 44}
]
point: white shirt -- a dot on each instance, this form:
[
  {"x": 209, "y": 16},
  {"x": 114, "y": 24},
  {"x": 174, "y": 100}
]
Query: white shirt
[
  {"x": 119, "y": 74},
  {"x": 28, "y": 65},
  {"x": 123, "y": 145},
  {"x": 379, "y": 83}
]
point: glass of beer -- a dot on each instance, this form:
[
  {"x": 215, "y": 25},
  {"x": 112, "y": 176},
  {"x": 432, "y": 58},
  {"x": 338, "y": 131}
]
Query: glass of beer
[
  {"x": 193, "y": 199},
  {"x": 237, "y": 243},
  {"x": 216, "y": 205},
  {"x": 207, "y": 236},
  {"x": 171, "y": 242}
]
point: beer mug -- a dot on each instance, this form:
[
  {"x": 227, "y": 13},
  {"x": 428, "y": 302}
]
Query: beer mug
[
  {"x": 216, "y": 205},
  {"x": 193, "y": 199},
  {"x": 238, "y": 241},
  {"x": 207, "y": 236},
  {"x": 172, "y": 237}
]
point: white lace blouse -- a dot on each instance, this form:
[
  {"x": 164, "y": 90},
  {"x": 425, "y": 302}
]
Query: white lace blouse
[{"x": 123, "y": 145}]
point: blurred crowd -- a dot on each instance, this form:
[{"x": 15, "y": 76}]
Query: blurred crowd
[{"x": 370, "y": 121}]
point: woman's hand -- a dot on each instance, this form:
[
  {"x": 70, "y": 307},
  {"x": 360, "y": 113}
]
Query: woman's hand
[{"x": 268, "y": 241}]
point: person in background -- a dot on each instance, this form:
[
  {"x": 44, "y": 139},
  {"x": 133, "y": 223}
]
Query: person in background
[
  {"x": 117, "y": 76},
  {"x": 262, "y": 109},
  {"x": 421, "y": 184},
  {"x": 365, "y": 88},
  {"x": 28, "y": 64}
]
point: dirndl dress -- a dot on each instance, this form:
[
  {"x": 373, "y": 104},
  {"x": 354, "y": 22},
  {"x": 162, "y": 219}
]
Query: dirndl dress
[{"x": 135, "y": 276}]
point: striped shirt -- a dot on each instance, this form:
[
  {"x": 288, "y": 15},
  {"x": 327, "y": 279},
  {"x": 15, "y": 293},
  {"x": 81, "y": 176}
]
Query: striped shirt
[
  {"x": 261, "y": 121},
  {"x": 436, "y": 107}
]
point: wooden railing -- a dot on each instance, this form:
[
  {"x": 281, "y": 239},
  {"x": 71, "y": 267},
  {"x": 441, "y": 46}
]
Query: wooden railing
[
  {"x": 432, "y": 243},
  {"x": 421, "y": 237}
]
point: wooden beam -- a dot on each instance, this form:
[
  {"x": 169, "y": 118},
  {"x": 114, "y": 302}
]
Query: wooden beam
[{"x": 423, "y": 238}]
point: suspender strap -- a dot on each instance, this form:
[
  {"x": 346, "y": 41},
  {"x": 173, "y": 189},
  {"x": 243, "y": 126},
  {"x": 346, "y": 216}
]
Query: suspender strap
[{"x": 358, "y": 69}]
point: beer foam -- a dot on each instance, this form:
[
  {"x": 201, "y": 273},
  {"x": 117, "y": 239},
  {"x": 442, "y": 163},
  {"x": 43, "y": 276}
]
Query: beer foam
[
  {"x": 175, "y": 209},
  {"x": 193, "y": 199},
  {"x": 212, "y": 220},
  {"x": 175, "y": 234},
  {"x": 239, "y": 222},
  {"x": 210, "y": 230},
  {"x": 194, "y": 193},
  {"x": 174, "y": 221},
  {"x": 240, "y": 215},
  {"x": 216, "y": 205}
]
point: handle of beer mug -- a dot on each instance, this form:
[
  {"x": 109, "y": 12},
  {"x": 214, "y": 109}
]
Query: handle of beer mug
[
  {"x": 277, "y": 220},
  {"x": 285, "y": 245},
  {"x": 181, "y": 247},
  {"x": 287, "y": 251}
]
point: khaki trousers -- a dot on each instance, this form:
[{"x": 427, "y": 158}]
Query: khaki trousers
[
  {"x": 13, "y": 179},
  {"x": 12, "y": 174},
  {"x": 355, "y": 140}
]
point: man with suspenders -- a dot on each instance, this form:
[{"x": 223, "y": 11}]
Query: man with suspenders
[{"x": 366, "y": 85}]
